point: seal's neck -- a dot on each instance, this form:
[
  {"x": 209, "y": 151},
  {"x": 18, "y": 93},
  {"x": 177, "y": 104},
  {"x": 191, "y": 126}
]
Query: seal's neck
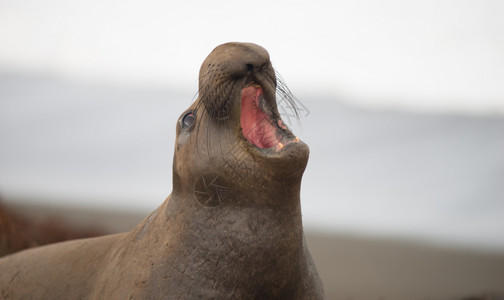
[
  {"x": 257, "y": 217},
  {"x": 232, "y": 231},
  {"x": 262, "y": 212},
  {"x": 229, "y": 250}
]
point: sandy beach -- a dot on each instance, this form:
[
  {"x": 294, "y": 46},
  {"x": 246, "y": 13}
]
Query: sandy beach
[{"x": 354, "y": 267}]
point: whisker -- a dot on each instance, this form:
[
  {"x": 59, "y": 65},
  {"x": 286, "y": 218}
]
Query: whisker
[
  {"x": 200, "y": 115},
  {"x": 208, "y": 139},
  {"x": 284, "y": 93}
]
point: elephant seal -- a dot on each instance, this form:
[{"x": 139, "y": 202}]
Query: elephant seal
[{"x": 231, "y": 227}]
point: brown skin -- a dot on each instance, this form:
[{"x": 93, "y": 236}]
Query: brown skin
[{"x": 239, "y": 236}]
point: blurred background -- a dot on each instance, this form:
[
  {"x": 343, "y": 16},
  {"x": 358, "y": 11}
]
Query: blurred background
[{"x": 402, "y": 105}]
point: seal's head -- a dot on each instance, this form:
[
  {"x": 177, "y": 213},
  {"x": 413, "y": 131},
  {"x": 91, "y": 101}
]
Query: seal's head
[{"x": 234, "y": 131}]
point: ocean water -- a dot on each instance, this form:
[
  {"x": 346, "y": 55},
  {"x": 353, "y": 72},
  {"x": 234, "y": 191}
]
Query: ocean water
[{"x": 431, "y": 177}]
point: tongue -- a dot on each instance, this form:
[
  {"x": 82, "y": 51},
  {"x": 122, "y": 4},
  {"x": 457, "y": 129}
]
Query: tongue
[{"x": 256, "y": 125}]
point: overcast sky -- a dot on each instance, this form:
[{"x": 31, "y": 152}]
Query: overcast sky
[{"x": 441, "y": 55}]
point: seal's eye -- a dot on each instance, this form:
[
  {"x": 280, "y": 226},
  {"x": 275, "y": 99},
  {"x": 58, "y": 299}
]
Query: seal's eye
[{"x": 188, "y": 120}]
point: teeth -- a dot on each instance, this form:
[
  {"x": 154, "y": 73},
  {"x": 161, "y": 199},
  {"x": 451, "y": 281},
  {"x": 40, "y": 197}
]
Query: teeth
[
  {"x": 280, "y": 145},
  {"x": 281, "y": 125}
]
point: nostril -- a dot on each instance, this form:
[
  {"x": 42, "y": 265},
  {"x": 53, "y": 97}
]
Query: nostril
[{"x": 250, "y": 67}]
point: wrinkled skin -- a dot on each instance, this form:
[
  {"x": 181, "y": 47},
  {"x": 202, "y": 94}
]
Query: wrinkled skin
[{"x": 231, "y": 227}]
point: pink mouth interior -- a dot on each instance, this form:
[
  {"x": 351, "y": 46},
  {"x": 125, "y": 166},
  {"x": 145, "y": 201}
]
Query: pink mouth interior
[{"x": 256, "y": 125}]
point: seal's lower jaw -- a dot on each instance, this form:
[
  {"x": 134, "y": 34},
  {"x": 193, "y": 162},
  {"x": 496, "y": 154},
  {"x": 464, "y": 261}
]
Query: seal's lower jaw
[{"x": 259, "y": 125}]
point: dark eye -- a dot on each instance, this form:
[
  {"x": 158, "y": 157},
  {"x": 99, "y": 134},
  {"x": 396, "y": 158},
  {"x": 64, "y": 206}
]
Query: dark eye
[{"x": 188, "y": 120}]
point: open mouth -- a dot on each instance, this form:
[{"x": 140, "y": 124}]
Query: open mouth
[{"x": 258, "y": 125}]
